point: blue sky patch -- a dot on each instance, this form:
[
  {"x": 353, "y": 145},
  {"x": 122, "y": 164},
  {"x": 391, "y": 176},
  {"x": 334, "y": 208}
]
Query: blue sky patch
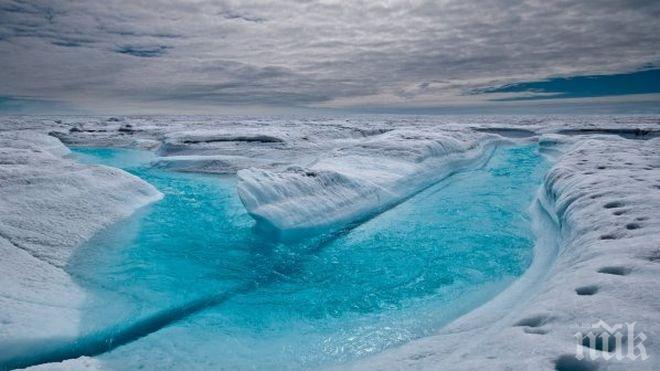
[{"x": 639, "y": 82}]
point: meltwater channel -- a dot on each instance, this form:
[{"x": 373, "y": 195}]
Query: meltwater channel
[{"x": 189, "y": 282}]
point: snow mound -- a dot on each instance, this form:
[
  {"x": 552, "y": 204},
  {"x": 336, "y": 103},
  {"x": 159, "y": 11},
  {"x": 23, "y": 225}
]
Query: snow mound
[
  {"x": 356, "y": 180},
  {"x": 48, "y": 206}
]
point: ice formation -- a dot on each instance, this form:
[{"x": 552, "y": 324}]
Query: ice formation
[
  {"x": 603, "y": 194},
  {"x": 48, "y": 206},
  {"x": 357, "y": 180}
]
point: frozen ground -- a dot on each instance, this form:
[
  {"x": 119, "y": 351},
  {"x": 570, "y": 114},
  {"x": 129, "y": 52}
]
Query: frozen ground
[{"x": 603, "y": 193}]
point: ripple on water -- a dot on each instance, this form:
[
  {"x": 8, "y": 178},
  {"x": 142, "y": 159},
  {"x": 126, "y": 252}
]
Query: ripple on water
[{"x": 396, "y": 277}]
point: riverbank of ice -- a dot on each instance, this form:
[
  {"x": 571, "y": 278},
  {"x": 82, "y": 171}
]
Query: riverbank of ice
[
  {"x": 48, "y": 206},
  {"x": 605, "y": 194},
  {"x": 358, "y": 180}
]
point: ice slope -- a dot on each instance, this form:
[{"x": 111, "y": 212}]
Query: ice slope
[
  {"x": 357, "y": 180},
  {"x": 48, "y": 205},
  {"x": 604, "y": 192}
]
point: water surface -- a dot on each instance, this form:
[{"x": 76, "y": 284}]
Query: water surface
[{"x": 260, "y": 303}]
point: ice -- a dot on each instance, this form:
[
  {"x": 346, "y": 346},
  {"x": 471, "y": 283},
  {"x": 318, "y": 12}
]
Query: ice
[
  {"x": 219, "y": 164},
  {"x": 48, "y": 206},
  {"x": 603, "y": 192},
  {"x": 357, "y": 180},
  {"x": 77, "y": 364}
]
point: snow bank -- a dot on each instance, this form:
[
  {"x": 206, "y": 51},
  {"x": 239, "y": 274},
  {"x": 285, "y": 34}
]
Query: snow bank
[
  {"x": 357, "y": 180},
  {"x": 605, "y": 194},
  {"x": 48, "y": 206}
]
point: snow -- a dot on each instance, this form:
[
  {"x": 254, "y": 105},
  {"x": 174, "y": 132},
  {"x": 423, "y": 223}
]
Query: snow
[
  {"x": 77, "y": 364},
  {"x": 357, "y": 180},
  {"x": 597, "y": 217},
  {"x": 219, "y": 164},
  {"x": 48, "y": 206},
  {"x": 605, "y": 194}
]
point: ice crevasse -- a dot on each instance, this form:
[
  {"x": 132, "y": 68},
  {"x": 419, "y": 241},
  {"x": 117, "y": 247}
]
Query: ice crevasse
[{"x": 356, "y": 181}]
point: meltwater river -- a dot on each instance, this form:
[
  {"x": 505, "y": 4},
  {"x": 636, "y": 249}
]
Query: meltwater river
[{"x": 188, "y": 281}]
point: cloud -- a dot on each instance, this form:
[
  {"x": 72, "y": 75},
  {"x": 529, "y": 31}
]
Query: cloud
[
  {"x": 312, "y": 53},
  {"x": 143, "y": 51},
  {"x": 228, "y": 14}
]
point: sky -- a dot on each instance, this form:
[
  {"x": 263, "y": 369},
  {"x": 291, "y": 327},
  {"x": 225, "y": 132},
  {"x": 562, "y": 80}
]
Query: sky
[{"x": 157, "y": 56}]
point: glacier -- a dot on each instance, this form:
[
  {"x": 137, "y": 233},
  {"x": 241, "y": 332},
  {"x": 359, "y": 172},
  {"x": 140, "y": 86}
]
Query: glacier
[{"x": 602, "y": 196}]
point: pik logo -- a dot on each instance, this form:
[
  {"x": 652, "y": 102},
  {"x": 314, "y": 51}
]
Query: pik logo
[{"x": 619, "y": 342}]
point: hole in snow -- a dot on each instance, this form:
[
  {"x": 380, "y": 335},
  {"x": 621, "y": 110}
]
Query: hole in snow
[
  {"x": 586, "y": 290},
  {"x": 631, "y": 226},
  {"x": 618, "y": 271},
  {"x": 609, "y": 237},
  {"x": 613, "y": 204},
  {"x": 568, "y": 362},
  {"x": 534, "y": 321}
]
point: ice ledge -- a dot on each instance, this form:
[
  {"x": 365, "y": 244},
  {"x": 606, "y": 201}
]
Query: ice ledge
[
  {"x": 48, "y": 206},
  {"x": 358, "y": 180},
  {"x": 605, "y": 194}
]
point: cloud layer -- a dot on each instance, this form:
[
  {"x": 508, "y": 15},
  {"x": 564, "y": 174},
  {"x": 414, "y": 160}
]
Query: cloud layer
[{"x": 294, "y": 53}]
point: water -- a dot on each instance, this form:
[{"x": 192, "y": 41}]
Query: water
[{"x": 211, "y": 292}]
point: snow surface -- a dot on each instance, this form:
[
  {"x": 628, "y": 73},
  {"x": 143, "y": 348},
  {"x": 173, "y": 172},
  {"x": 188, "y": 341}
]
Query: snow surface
[
  {"x": 597, "y": 217},
  {"x": 48, "y": 206},
  {"x": 356, "y": 180}
]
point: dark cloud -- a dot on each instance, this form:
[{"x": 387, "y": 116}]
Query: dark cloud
[
  {"x": 129, "y": 33},
  {"x": 308, "y": 53},
  {"x": 228, "y": 14},
  {"x": 143, "y": 51},
  {"x": 67, "y": 43}
]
